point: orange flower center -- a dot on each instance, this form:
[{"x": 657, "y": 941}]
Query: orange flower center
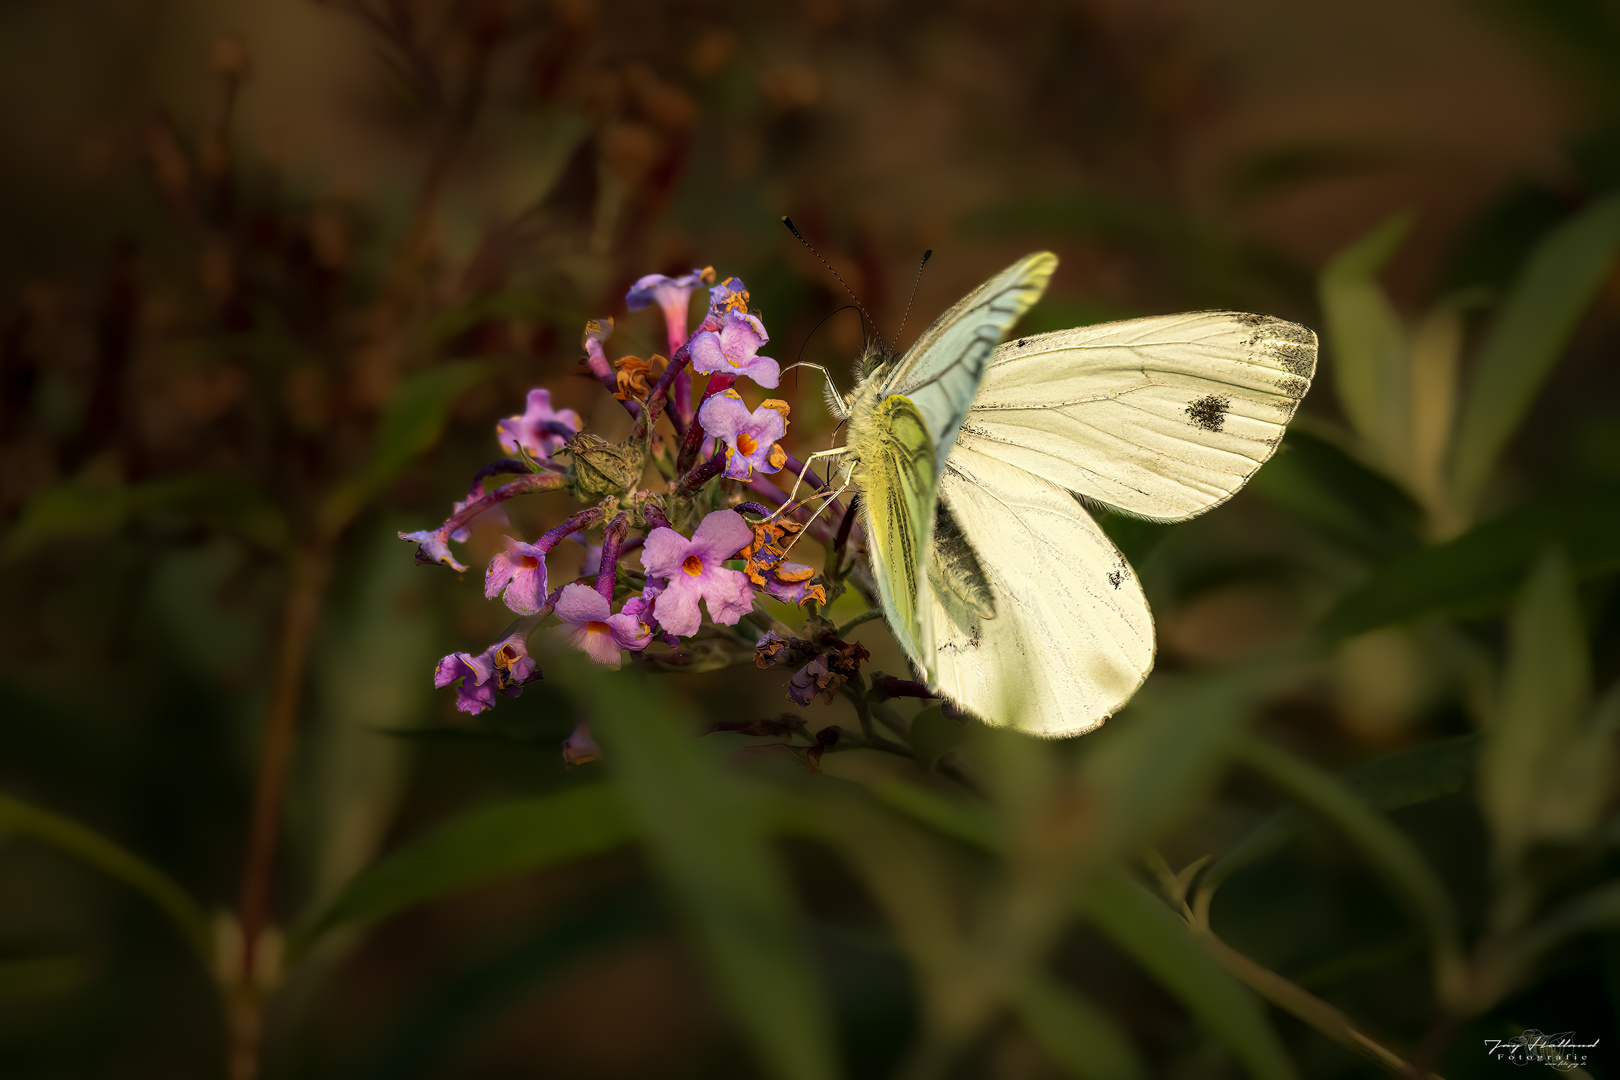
[
  {"x": 597, "y": 627},
  {"x": 693, "y": 565},
  {"x": 529, "y": 562},
  {"x": 746, "y": 443}
]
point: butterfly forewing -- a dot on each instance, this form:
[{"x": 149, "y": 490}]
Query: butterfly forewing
[
  {"x": 899, "y": 481},
  {"x": 1162, "y": 418},
  {"x": 941, "y": 371}
]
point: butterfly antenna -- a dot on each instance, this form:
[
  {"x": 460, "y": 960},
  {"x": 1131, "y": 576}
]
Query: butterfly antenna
[
  {"x": 799, "y": 236},
  {"x": 929, "y": 254}
]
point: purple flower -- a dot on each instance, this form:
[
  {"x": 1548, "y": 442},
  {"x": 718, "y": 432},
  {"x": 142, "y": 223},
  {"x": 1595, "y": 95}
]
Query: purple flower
[
  {"x": 505, "y": 666},
  {"x": 786, "y": 581},
  {"x": 540, "y": 430},
  {"x": 433, "y": 546},
  {"x": 693, "y": 572},
  {"x": 520, "y": 571},
  {"x": 734, "y": 350},
  {"x": 596, "y": 332},
  {"x": 596, "y": 630},
  {"x": 750, "y": 437},
  {"x": 730, "y": 295},
  {"x": 579, "y": 747},
  {"x": 673, "y": 295}
]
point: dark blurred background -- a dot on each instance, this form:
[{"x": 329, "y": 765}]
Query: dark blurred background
[{"x": 235, "y": 232}]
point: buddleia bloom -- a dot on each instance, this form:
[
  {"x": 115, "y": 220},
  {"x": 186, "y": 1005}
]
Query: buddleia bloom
[
  {"x": 750, "y": 437},
  {"x": 693, "y": 571},
  {"x": 733, "y": 350}
]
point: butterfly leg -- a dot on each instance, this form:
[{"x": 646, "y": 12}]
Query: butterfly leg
[
  {"x": 831, "y": 497},
  {"x": 834, "y": 452}
]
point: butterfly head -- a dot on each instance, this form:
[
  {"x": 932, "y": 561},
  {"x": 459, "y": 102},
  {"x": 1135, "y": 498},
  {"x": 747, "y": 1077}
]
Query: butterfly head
[{"x": 874, "y": 358}]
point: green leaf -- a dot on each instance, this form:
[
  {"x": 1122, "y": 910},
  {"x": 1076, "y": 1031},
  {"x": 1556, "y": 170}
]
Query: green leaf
[
  {"x": 1136, "y": 921},
  {"x": 479, "y": 846},
  {"x": 1403, "y": 779},
  {"x": 971, "y": 823},
  {"x": 476, "y": 997},
  {"x": 1076, "y": 1034},
  {"x": 1546, "y": 691},
  {"x": 411, "y": 424},
  {"x": 1477, "y": 573},
  {"x": 1536, "y": 321},
  {"x": 1333, "y": 493},
  {"x": 1149, "y": 768},
  {"x": 1368, "y": 355},
  {"x": 77, "y": 509},
  {"x": 933, "y": 733},
  {"x": 385, "y": 627},
  {"x": 31, "y": 978},
  {"x": 1386, "y": 849},
  {"x": 83, "y": 843},
  {"x": 705, "y": 830}
]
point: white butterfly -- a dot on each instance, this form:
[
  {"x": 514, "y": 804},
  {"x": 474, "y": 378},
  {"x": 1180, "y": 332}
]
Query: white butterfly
[{"x": 973, "y": 462}]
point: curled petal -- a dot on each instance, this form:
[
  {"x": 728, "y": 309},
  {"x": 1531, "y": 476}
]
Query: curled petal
[{"x": 433, "y": 546}]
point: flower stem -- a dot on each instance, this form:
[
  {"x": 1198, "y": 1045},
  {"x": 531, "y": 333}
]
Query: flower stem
[
  {"x": 701, "y": 475},
  {"x": 311, "y": 572}
]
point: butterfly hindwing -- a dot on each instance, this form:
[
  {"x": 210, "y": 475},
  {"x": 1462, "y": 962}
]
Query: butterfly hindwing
[
  {"x": 1070, "y": 638},
  {"x": 1162, "y": 418},
  {"x": 941, "y": 371},
  {"x": 898, "y": 475}
]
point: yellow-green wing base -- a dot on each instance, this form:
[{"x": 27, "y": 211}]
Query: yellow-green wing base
[{"x": 899, "y": 477}]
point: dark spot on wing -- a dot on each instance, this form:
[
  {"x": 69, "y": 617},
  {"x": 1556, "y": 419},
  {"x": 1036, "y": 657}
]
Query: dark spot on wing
[
  {"x": 1294, "y": 388},
  {"x": 1209, "y": 412},
  {"x": 1250, "y": 320},
  {"x": 1022, "y": 342},
  {"x": 1115, "y": 577}
]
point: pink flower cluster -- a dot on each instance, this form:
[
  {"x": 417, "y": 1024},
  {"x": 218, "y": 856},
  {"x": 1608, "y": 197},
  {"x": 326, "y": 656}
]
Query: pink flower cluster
[{"x": 682, "y": 581}]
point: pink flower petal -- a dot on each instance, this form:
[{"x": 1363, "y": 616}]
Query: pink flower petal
[
  {"x": 720, "y": 536},
  {"x": 663, "y": 552},
  {"x": 580, "y": 604}
]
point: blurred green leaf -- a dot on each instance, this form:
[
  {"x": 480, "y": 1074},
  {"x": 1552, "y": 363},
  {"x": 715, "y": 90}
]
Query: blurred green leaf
[
  {"x": 1402, "y": 779},
  {"x": 933, "y": 733},
  {"x": 1327, "y": 489},
  {"x": 1387, "y": 850},
  {"x": 411, "y": 424},
  {"x": 482, "y": 845},
  {"x": 1151, "y": 934},
  {"x": 86, "y": 844},
  {"x": 971, "y": 823},
  {"x": 910, "y": 880},
  {"x": 473, "y": 998},
  {"x": 1477, "y": 573},
  {"x": 76, "y": 509},
  {"x": 33, "y": 977},
  {"x": 705, "y": 829},
  {"x": 384, "y": 627},
  {"x": 1150, "y": 767},
  {"x": 1368, "y": 340},
  {"x": 1536, "y": 321},
  {"x": 1587, "y": 31},
  {"x": 1076, "y": 1034},
  {"x": 1530, "y": 787},
  {"x": 416, "y": 414}
]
